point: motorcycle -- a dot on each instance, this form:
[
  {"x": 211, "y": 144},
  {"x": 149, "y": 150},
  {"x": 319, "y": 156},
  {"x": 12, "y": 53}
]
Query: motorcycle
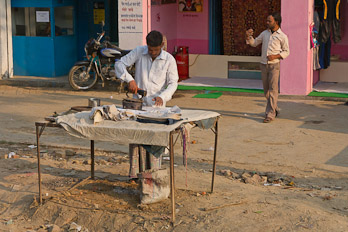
[{"x": 100, "y": 62}]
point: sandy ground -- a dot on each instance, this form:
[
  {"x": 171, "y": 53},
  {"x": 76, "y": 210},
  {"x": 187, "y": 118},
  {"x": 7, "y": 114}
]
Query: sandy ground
[{"x": 289, "y": 175}]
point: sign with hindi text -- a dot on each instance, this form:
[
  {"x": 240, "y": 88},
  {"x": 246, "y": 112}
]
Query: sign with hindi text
[{"x": 130, "y": 23}]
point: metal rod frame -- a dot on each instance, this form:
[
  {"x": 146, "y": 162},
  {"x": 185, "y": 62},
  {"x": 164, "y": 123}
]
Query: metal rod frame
[
  {"x": 39, "y": 132},
  {"x": 40, "y": 127},
  {"x": 215, "y": 152},
  {"x": 38, "y": 159},
  {"x": 92, "y": 159},
  {"x": 171, "y": 152}
]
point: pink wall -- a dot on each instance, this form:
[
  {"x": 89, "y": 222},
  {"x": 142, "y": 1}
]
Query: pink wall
[
  {"x": 193, "y": 30},
  {"x": 163, "y": 19},
  {"x": 146, "y": 19},
  {"x": 296, "y": 70},
  {"x": 341, "y": 48},
  {"x": 182, "y": 29},
  {"x": 315, "y": 77}
]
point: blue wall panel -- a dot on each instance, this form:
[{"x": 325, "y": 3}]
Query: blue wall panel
[
  {"x": 215, "y": 27},
  {"x": 41, "y": 3},
  {"x": 19, "y": 60},
  {"x": 84, "y": 11},
  {"x": 33, "y": 56},
  {"x": 86, "y": 28},
  {"x": 31, "y": 3},
  {"x": 63, "y": 3},
  {"x": 65, "y": 54}
]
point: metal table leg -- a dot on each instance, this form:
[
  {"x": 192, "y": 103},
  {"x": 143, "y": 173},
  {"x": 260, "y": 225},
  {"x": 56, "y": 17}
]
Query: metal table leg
[
  {"x": 172, "y": 186},
  {"x": 40, "y": 127},
  {"x": 38, "y": 161},
  {"x": 215, "y": 151},
  {"x": 92, "y": 159}
]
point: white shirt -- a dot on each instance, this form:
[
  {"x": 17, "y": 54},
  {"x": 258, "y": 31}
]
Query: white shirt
[
  {"x": 159, "y": 77},
  {"x": 272, "y": 44}
]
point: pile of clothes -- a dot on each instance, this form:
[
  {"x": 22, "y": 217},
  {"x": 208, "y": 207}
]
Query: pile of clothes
[{"x": 110, "y": 112}]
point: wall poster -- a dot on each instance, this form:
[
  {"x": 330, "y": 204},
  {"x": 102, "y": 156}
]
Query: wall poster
[{"x": 190, "y": 5}]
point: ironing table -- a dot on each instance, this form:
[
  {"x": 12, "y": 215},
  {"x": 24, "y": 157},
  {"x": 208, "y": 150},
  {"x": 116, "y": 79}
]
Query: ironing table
[{"x": 80, "y": 125}]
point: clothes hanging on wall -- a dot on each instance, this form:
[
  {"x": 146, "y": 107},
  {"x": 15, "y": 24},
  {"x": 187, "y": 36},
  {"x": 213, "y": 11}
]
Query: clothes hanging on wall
[
  {"x": 330, "y": 21},
  {"x": 316, "y": 61},
  {"x": 318, "y": 3},
  {"x": 314, "y": 40},
  {"x": 328, "y": 13},
  {"x": 325, "y": 54}
]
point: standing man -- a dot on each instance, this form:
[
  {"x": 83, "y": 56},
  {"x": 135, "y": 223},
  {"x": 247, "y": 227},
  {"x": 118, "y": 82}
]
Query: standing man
[
  {"x": 275, "y": 47},
  {"x": 157, "y": 73}
]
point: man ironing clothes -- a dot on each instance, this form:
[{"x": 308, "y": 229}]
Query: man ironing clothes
[{"x": 155, "y": 72}]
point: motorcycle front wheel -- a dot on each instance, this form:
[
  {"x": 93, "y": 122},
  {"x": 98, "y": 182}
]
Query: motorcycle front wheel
[{"x": 79, "y": 79}]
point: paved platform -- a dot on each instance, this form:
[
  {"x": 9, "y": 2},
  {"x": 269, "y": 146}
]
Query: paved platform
[{"x": 63, "y": 83}]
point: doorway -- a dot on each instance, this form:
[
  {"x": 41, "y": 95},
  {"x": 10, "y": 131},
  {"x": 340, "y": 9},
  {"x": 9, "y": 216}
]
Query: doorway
[
  {"x": 331, "y": 74},
  {"x": 90, "y": 13}
]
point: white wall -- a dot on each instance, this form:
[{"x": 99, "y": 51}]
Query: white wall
[
  {"x": 214, "y": 65},
  {"x": 6, "y": 55}
]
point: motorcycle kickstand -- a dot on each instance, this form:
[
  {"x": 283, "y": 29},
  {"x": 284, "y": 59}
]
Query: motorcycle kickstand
[{"x": 103, "y": 81}]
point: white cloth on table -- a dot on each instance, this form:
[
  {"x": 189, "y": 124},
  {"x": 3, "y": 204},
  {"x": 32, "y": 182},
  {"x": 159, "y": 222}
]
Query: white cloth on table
[{"x": 80, "y": 125}]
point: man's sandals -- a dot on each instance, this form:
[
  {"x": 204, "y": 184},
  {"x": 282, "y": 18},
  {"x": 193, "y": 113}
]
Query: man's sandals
[{"x": 268, "y": 119}]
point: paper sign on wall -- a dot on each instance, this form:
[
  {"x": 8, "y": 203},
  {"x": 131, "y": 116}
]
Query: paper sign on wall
[
  {"x": 98, "y": 16},
  {"x": 42, "y": 16},
  {"x": 130, "y": 23},
  {"x": 98, "y": 12}
]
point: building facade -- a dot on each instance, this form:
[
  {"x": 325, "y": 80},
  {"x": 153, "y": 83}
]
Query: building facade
[{"x": 212, "y": 29}]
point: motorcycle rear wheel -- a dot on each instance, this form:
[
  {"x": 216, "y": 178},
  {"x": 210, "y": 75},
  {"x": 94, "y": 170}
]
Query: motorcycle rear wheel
[{"x": 80, "y": 80}]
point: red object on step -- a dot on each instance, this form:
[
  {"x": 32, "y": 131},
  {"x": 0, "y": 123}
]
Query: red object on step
[{"x": 181, "y": 55}]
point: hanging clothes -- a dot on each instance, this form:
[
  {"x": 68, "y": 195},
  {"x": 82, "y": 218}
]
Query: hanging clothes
[
  {"x": 314, "y": 40},
  {"x": 324, "y": 47},
  {"x": 330, "y": 21},
  {"x": 325, "y": 54}
]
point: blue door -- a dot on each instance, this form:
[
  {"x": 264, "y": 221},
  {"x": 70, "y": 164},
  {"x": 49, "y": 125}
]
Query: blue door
[
  {"x": 215, "y": 27},
  {"x": 89, "y": 15},
  {"x": 44, "y": 37}
]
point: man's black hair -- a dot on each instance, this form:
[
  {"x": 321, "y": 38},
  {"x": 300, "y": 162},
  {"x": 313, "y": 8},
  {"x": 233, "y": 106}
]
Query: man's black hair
[
  {"x": 277, "y": 18},
  {"x": 154, "y": 39}
]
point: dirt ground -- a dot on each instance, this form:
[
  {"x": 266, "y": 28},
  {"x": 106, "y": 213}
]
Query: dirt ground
[{"x": 288, "y": 175}]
